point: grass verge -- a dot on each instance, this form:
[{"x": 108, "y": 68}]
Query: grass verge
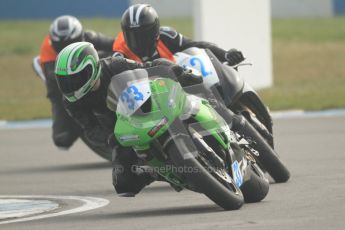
[
  {"x": 308, "y": 57},
  {"x": 309, "y": 71}
]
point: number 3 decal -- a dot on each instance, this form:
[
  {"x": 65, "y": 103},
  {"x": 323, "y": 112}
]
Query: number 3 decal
[
  {"x": 137, "y": 94},
  {"x": 125, "y": 96},
  {"x": 127, "y": 99}
]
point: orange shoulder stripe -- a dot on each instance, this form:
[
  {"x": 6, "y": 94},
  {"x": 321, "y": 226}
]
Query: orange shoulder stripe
[
  {"x": 121, "y": 46},
  {"x": 47, "y": 53},
  {"x": 164, "y": 52}
]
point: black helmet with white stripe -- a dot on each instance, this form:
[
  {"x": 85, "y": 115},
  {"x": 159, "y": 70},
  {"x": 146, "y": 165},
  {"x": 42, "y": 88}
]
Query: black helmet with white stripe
[
  {"x": 140, "y": 26},
  {"x": 65, "y": 30}
]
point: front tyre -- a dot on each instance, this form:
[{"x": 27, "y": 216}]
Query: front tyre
[{"x": 226, "y": 195}]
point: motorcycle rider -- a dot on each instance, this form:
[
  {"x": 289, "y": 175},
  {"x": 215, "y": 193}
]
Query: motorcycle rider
[
  {"x": 63, "y": 31},
  {"x": 143, "y": 39},
  {"x": 83, "y": 80}
]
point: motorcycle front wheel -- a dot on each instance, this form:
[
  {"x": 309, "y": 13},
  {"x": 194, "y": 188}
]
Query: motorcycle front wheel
[{"x": 226, "y": 195}]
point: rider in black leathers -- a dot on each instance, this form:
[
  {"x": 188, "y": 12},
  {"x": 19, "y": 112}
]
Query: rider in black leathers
[{"x": 63, "y": 31}]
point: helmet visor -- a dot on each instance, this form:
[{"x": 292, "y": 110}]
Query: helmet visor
[
  {"x": 142, "y": 42},
  {"x": 72, "y": 83}
]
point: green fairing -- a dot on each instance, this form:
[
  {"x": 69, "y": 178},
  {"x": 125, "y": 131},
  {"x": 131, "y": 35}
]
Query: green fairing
[
  {"x": 168, "y": 101},
  {"x": 210, "y": 120},
  {"x": 139, "y": 125}
]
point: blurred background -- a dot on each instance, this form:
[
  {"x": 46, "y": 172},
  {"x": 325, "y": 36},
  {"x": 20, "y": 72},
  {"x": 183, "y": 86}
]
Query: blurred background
[{"x": 308, "y": 48}]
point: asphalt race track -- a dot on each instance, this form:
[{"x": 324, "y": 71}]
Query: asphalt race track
[{"x": 314, "y": 198}]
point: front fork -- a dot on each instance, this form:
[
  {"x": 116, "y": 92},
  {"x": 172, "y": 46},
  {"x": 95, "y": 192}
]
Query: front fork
[
  {"x": 254, "y": 121},
  {"x": 217, "y": 121}
]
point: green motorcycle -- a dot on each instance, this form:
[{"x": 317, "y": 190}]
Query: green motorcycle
[{"x": 183, "y": 139}]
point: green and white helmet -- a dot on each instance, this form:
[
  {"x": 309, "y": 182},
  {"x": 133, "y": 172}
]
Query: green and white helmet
[{"x": 77, "y": 70}]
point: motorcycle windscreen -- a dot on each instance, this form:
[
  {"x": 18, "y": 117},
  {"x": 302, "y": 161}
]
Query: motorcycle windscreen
[
  {"x": 128, "y": 91},
  {"x": 198, "y": 60}
]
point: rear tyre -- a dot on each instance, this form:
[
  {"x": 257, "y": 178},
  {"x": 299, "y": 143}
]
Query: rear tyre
[{"x": 227, "y": 196}]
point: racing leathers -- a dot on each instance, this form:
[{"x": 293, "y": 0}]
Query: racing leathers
[
  {"x": 65, "y": 131},
  {"x": 97, "y": 123}
]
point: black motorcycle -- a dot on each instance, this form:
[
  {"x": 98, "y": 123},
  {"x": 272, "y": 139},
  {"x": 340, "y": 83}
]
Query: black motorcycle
[{"x": 230, "y": 88}]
